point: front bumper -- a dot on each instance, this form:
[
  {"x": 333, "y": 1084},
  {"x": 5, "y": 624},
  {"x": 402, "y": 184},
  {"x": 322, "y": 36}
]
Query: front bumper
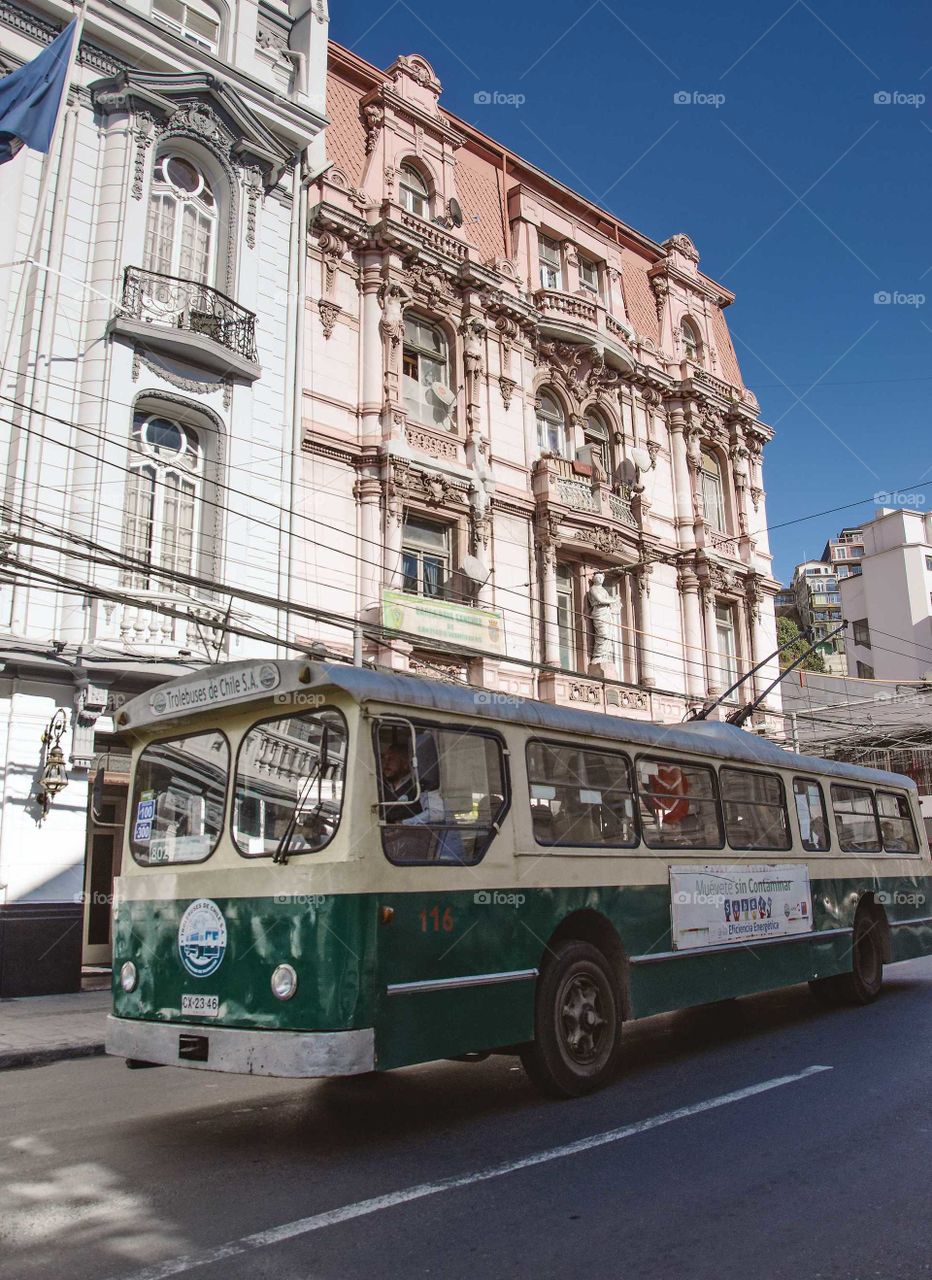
[{"x": 244, "y": 1052}]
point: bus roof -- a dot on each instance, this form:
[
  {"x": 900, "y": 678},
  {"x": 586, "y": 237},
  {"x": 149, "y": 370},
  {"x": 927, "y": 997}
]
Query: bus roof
[{"x": 209, "y": 692}]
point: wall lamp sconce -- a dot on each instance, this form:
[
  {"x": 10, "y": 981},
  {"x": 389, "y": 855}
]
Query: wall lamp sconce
[{"x": 54, "y": 775}]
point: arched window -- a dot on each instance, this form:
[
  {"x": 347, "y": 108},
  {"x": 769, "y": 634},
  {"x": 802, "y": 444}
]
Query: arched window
[
  {"x": 551, "y": 425},
  {"x": 413, "y": 191},
  {"x": 713, "y": 495},
  {"x": 181, "y": 236},
  {"x": 692, "y": 344},
  {"x": 193, "y": 20},
  {"x": 428, "y": 393},
  {"x": 598, "y": 436},
  {"x": 160, "y": 528}
]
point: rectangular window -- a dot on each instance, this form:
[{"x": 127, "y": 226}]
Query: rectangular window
[
  {"x": 862, "y": 633},
  {"x": 566, "y": 617},
  {"x": 856, "y": 819},
  {"x": 896, "y": 823},
  {"x": 178, "y": 799},
  {"x": 139, "y": 523},
  {"x": 551, "y": 274},
  {"x": 929, "y": 562},
  {"x": 727, "y": 648},
  {"x": 443, "y": 792},
  {"x": 755, "y": 810},
  {"x": 425, "y": 558},
  {"x": 865, "y": 671},
  {"x": 713, "y": 500},
  {"x": 811, "y": 815},
  {"x": 679, "y": 805},
  {"x": 589, "y": 276},
  {"x": 581, "y": 797}
]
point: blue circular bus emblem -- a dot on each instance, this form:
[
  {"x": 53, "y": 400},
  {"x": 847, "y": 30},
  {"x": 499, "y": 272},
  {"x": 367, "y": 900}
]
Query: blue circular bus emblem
[{"x": 202, "y": 938}]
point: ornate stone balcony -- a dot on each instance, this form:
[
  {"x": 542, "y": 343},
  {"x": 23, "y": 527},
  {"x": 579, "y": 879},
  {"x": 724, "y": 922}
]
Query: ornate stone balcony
[
  {"x": 722, "y": 544},
  {"x": 570, "y": 315},
  {"x": 560, "y": 482},
  {"x": 161, "y": 622},
  {"x": 188, "y": 321}
]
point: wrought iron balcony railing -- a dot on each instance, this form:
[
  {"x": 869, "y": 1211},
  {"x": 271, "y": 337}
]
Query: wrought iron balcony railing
[{"x": 158, "y": 299}]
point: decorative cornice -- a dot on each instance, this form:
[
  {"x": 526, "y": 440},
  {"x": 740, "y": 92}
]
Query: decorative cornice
[
  {"x": 202, "y": 105},
  {"x": 43, "y": 32}
]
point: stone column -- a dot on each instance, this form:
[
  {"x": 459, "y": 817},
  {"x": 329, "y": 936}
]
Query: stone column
[
  {"x": 688, "y": 585},
  {"x": 714, "y": 684},
  {"x": 545, "y": 548},
  {"x": 682, "y": 481},
  {"x": 368, "y": 494},
  {"x": 642, "y": 621},
  {"x": 371, "y": 349}
]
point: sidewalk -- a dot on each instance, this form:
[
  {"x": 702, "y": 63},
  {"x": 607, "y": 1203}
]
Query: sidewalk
[{"x": 41, "y": 1029}]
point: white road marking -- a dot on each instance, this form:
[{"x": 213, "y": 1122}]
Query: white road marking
[{"x": 302, "y": 1226}]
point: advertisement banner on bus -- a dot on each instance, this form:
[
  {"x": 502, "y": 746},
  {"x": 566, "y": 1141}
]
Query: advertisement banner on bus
[{"x": 721, "y": 905}]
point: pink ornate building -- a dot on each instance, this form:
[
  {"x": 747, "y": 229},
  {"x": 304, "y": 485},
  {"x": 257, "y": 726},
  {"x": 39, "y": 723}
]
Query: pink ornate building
[{"x": 507, "y": 391}]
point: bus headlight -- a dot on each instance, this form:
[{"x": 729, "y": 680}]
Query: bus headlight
[
  {"x": 128, "y": 976},
  {"x": 284, "y": 982}
]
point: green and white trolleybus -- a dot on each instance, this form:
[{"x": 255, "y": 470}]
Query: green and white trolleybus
[{"x": 331, "y": 870}]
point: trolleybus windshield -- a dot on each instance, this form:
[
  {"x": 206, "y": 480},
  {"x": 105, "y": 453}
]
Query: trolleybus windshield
[{"x": 178, "y": 795}]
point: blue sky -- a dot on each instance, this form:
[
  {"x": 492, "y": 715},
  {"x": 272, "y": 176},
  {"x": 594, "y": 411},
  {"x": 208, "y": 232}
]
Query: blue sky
[{"x": 804, "y": 195}]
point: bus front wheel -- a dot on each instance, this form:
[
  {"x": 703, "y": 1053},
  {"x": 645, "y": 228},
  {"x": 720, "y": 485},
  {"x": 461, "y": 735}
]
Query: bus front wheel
[{"x": 577, "y": 1023}]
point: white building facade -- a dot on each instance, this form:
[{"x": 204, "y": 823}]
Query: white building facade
[
  {"x": 149, "y": 414},
  {"x": 530, "y": 461},
  {"x": 888, "y": 605}
]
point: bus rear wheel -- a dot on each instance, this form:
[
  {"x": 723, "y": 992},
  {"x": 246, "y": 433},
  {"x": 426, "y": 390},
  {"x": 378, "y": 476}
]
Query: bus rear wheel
[
  {"x": 863, "y": 984},
  {"x": 577, "y": 1023}
]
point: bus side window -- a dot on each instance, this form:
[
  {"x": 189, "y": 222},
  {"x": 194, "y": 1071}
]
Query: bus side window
[
  {"x": 856, "y": 819},
  {"x": 755, "y": 809},
  {"x": 812, "y": 815},
  {"x": 581, "y": 797},
  {"x": 443, "y": 803},
  {"x": 896, "y": 824},
  {"x": 679, "y": 805}
]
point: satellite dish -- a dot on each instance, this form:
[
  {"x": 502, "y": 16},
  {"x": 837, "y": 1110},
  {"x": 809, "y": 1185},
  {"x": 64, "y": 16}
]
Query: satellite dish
[
  {"x": 641, "y": 459},
  {"x": 475, "y": 570},
  {"x": 443, "y": 393},
  {"x": 455, "y": 211}
]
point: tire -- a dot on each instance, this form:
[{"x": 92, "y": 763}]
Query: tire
[
  {"x": 577, "y": 1023},
  {"x": 865, "y": 981}
]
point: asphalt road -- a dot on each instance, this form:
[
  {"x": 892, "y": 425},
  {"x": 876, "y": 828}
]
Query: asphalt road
[{"x": 821, "y": 1174}]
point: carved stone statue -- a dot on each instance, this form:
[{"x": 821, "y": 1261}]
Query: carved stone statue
[{"x": 599, "y": 609}]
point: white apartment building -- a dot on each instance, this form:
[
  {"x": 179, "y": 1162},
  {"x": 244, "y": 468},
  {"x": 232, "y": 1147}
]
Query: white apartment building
[
  {"x": 889, "y": 604},
  {"x": 148, "y": 412}
]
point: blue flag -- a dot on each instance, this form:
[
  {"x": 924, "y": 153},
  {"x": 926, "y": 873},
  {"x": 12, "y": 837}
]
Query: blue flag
[{"x": 31, "y": 96}]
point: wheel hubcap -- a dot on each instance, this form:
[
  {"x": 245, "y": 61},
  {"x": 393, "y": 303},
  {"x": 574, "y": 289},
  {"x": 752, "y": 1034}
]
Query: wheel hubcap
[{"x": 582, "y": 1019}]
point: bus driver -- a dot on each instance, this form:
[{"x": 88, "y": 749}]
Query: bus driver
[{"x": 406, "y": 805}]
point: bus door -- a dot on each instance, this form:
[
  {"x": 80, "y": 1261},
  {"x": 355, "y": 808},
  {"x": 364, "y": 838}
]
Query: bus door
[{"x": 444, "y": 939}]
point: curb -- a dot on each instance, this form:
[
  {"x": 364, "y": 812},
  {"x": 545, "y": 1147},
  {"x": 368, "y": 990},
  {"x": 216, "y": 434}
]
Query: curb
[{"x": 42, "y": 1057}]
